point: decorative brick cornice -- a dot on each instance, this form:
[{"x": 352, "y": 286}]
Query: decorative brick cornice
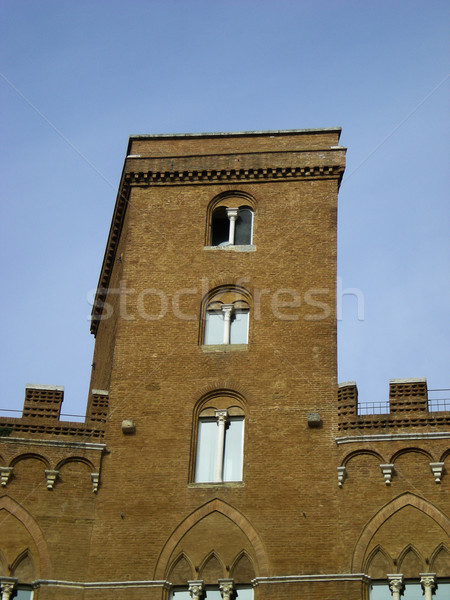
[
  {"x": 59, "y": 430},
  {"x": 232, "y": 175},
  {"x": 393, "y": 437},
  {"x": 387, "y": 422}
]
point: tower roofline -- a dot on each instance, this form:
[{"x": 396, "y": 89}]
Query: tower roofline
[{"x": 237, "y": 133}]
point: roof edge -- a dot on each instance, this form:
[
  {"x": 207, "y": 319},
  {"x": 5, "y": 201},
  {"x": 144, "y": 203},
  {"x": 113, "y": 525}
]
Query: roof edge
[{"x": 235, "y": 133}]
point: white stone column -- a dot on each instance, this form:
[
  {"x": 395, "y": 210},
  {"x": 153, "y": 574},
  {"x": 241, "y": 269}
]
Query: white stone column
[
  {"x": 196, "y": 589},
  {"x": 232, "y": 214},
  {"x": 227, "y": 310},
  {"x": 428, "y": 582},
  {"x": 7, "y": 586},
  {"x": 226, "y": 587},
  {"x": 395, "y": 585},
  {"x": 222, "y": 417}
]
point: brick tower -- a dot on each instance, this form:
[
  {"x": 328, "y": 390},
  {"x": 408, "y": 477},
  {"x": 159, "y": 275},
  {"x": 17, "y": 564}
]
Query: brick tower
[{"x": 219, "y": 458}]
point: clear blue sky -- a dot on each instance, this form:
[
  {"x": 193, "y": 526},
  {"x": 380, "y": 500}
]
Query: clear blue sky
[{"x": 77, "y": 78}]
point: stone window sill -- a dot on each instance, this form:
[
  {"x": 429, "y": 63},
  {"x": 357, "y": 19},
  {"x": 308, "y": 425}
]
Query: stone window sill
[
  {"x": 212, "y": 348},
  {"x": 232, "y": 248},
  {"x": 216, "y": 485}
]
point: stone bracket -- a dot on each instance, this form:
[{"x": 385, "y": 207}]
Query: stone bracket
[
  {"x": 387, "y": 471},
  {"x": 5, "y": 473},
  {"x": 51, "y": 475},
  {"x": 437, "y": 469},
  {"x": 342, "y": 475}
]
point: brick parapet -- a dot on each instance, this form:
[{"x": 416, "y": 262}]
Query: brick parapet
[
  {"x": 408, "y": 408},
  {"x": 41, "y": 416}
]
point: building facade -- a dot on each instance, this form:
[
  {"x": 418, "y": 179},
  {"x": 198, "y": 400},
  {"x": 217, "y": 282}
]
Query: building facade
[{"x": 219, "y": 457}]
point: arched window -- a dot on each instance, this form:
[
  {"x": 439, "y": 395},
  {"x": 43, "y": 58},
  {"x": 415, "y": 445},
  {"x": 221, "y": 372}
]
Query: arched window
[
  {"x": 217, "y": 451},
  {"x": 225, "y": 315},
  {"x": 232, "y": 226},
  {"x": 220, "y": 444}
]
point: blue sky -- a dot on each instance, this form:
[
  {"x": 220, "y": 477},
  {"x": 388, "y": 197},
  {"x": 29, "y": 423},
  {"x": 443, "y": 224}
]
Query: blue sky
[{"x": 77, "y": 78}]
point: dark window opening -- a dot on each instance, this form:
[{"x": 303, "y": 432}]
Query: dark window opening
[
  {"x": 220, "y": 227},
  {"x": 243, "y": 233}
]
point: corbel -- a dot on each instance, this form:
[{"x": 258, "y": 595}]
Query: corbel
[
  {"x": 437, "y": 469},
  {"x": 5, "y": 473},
  {"x": 95, "y": 480},
  {"x": 342, "y": 475},
  {"x": 388, "y": 471},
  {"x": 51, "y": 475}
]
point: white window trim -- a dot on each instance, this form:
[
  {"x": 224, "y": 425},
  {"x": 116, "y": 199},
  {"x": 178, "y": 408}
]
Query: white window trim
[{"x": 222, "y": 420}]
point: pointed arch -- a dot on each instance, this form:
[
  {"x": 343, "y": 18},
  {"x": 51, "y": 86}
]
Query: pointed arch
[
  {"x": 212, "y": 568},
  {"x": 242, "y": 570},
  {"x": 440, "y": 559},
  {"x": 3, "y": 565},
  {"x": 378, "y": 563},
  {"x": 227, "y": 510},
  {"x": 23, "y": 567},
  {"x": 181, "y": 570},
  {"x": 406, "y": 499},
  {"x": 17, "y": 511},
  {"x": 410, "y": 562}
]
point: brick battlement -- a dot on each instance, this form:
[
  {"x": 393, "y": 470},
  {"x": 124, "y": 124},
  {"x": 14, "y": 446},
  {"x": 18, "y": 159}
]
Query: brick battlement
[
  {"x": 41, "y": 415},
  {"x": 408, "y": 407}
]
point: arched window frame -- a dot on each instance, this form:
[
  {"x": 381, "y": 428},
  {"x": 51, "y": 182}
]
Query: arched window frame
[
  {"x": 225, "y": 318},
  {"x": 219, "y": 457},
  {"x": 230, "y": 221}
]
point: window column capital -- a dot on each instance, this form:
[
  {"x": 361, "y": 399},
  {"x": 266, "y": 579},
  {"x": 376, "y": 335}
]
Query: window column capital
[
  {"x": 232, "y": 213},
  {"x": 227, "y": 309},
  {"x": 395, "y": 585},
  {"x": 196, "y": 589},
  {"x": 226, "y": 587},
  {"x": 428, "y": 583},
  {"x": 7, "y": 585},
  {"x": 221, "y": 415}
]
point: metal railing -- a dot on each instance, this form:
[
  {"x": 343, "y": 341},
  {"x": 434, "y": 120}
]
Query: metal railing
[
  {"x": 373, "y": 408},
  {"x": 435, "y": 404}
]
